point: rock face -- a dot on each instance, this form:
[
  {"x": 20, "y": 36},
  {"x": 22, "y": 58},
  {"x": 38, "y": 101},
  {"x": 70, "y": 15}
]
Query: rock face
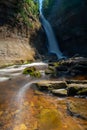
[
  {"x": 7, "y": 10},
  {"x": 17, "y": 35},
  {"x": 69, "y": 21}
]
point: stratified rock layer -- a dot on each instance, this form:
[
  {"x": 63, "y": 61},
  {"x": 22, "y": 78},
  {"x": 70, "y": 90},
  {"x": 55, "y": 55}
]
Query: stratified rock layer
[{"x": 18, "y": 36}]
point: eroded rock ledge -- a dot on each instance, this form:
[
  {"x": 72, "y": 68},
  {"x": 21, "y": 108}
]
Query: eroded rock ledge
[{"x": 17, "y": 38}]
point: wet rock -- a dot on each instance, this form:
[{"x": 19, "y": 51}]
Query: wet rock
[
  {"x": 76, "y": 81},
  {"x": 29, "y": 70},
  {"x": 48, "y": 72},
  {"x": 77, "y": 107},
  {"x": 50, "y": 85},
  {"x": 59, "y": 92},
  {"x": 70, "y": 67},
  {"x": 82, "y": 92},
  {"x": 77, "y": 89},
  {"x": 32, "y": 72}
]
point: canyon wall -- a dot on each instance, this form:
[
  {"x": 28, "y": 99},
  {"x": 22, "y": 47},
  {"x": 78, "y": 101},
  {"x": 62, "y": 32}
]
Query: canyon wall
[
  {"x": 69, "y": 21},
  {"x": 19, "y": 28}
]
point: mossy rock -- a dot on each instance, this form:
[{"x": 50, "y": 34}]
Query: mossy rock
[
  {"x": 50, "y": 71},
  {"x": 77, "y": 89},
  {"x": 56, "y": 64},
  {"x": 72, "y": 91},
  {"x": 47, "y": 72},
  {"x": 32, "y": 71},
  {"x": 29, "y": 70},
  {"x": 36, "y": 74},
  {"x": 51, "y": 85},
  {"x": 83, "y": 92}
]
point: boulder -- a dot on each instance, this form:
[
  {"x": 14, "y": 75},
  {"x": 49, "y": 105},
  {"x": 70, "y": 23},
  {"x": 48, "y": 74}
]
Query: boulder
[{"x": 32, "y": 72}]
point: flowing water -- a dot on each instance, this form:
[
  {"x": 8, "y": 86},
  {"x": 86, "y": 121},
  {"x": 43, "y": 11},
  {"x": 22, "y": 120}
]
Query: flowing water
[
  {"x": 24, "y": 107},
  {"x": 53, "y": 45}
]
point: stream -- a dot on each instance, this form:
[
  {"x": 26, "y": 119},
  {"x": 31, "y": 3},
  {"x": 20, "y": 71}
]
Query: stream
[{"x": 24, "y": 107}]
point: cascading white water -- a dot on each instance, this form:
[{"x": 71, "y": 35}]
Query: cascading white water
[
  {"x": 53, "y": 45},
  {"x": 40, "y": 6}
]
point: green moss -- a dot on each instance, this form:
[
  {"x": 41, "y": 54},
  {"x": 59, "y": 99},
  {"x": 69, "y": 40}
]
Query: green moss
[
  {"x": 82, "y": 92},
  {"x": 32, "y": 71},
  {"x": 29, "y": 70},
  {"x": 56, "y": 64},
  {"x": 28, "y": 9}
]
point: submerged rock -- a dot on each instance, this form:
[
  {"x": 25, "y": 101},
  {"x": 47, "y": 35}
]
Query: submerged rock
[{"x": 77, "y": 107}]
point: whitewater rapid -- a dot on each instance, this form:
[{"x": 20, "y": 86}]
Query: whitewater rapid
[{"x": 15, "y": 70}]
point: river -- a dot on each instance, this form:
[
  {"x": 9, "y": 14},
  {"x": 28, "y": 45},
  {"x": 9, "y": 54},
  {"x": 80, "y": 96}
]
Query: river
[{"x": 24, "y": 107}]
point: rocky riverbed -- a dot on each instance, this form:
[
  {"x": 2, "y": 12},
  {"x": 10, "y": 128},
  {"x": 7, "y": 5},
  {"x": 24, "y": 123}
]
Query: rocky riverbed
[{"x": 31, "y": 103}]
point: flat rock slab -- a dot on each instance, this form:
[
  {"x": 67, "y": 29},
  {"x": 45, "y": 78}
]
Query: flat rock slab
[
  {"x": 77, "y": 89},
  {"x": 77, "y": 81},
  {"x": 59, "y": 92},
  {"x": 50, "y": 85}
]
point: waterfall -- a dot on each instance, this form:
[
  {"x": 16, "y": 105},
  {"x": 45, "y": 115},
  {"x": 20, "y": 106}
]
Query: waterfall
[
  {"x": 40, "y": 6},
  {"x": 53, "y": 45}
]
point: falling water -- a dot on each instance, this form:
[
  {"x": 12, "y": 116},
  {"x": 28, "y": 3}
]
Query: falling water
[
  {"x": 53, "y": 45},
  {"x": 40, "y": 6}
]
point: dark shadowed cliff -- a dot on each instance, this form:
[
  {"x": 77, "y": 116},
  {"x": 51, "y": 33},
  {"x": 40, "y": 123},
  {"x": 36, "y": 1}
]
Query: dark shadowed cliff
[{"x": 69, "y": 21}]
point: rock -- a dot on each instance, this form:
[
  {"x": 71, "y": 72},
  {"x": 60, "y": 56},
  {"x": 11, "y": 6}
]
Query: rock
[
  {"x": 68, "y": 19},
  {"x": 82, "y": 92},
  {"x": 70, "y": 67},
  {"x": 76, "y": 81},
  {"x": 29, "y": 70},
  {"x": 50, "y": 85},
  {"x": 18, "y": 36},
  {"x": 77, "y": 107},
  {"x": 59, "y": 92},
  {"x": 32, "y": 71},
  {"x": 77, "y": 89},
  {"x": 49, "y": 72}
]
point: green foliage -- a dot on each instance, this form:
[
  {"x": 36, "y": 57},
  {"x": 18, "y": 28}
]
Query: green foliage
[
  {"x": 28, "y": 9},
  {"x": 32, "y": 71}
]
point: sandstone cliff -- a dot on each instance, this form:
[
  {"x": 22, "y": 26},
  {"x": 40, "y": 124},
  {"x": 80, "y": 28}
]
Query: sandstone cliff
[{"x": 19, "y": 24}]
